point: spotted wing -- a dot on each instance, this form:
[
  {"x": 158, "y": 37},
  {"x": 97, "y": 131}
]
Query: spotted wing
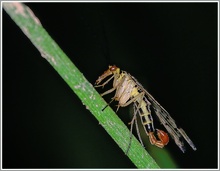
[{"x": 168, "y": 122}]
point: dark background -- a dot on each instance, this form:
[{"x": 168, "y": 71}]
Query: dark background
[{"x": 171, "y": 48}]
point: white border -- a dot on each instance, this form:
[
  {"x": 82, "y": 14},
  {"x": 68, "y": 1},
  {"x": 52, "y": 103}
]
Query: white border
[{"x": 105, "y": 2}]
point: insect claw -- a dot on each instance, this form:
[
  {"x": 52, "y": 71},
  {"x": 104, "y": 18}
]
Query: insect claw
[
  {"x": 163, "y": 138},
  {"x": 118, "y": 106}
]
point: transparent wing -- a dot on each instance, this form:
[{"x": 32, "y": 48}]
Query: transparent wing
[{"x": 168, "y": 122}]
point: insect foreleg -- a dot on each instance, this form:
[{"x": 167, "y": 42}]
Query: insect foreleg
[{"x": 106, "y": 82}]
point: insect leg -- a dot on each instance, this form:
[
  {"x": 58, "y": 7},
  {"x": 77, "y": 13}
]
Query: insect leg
[
  {"x": 134, "y": 121},
  {"x": 108, "y": 91},
  {"x": 106, "y": 82},
  {"x": 138, "y": 95},
  {"x": 138, "y": 132}
]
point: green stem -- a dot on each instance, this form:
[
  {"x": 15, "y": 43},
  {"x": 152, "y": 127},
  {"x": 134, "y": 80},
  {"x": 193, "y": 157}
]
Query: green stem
[{"x": 49, "y": 50}]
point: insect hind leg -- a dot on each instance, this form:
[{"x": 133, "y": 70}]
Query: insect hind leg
[{"x": 134, "y": 121}]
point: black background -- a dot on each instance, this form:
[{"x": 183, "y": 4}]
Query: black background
[{"x": 171, "y": 48}]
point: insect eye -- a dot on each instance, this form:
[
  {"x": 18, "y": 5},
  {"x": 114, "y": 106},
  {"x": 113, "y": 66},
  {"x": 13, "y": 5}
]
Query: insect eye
[{"x": 113, "y": 68}]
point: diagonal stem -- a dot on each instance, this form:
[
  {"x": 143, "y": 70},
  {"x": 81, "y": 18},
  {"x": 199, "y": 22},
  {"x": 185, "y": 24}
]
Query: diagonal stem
[{"x": 49, "y": 50}]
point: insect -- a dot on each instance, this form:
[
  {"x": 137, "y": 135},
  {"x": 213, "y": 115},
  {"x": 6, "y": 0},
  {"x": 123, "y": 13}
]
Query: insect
[{"x": 129, "y": 90}]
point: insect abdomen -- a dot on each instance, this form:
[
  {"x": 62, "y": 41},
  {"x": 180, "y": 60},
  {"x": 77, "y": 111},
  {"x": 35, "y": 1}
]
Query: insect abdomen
[{"x": 146, "y": 118}]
